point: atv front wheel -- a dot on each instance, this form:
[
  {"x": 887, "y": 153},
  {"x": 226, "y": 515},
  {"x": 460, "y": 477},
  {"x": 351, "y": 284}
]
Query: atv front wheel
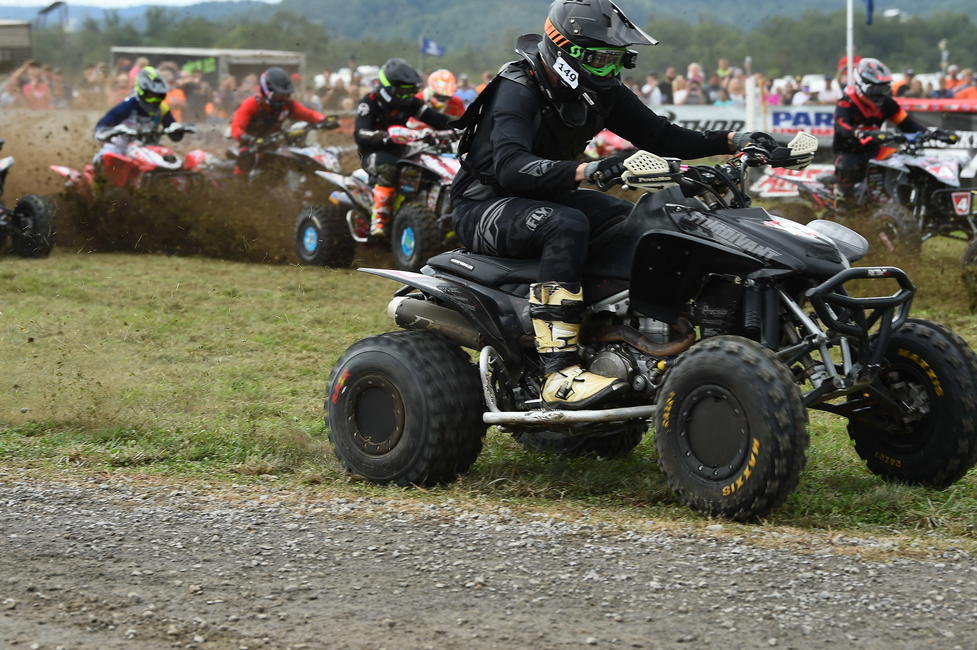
[
  {"x": 970, "y": 273},
  {"x": 930, "y": 374},
  {"x": 896, "y": 227},
  {"x": 33, "y": 234},
  {"x": 405, "y": 407},
  {"x": 730, "y": 429},
  {"x": 322, "y": 237},
  {"x": 619, "y": 443},
  {"x": 416, "y": 237}
]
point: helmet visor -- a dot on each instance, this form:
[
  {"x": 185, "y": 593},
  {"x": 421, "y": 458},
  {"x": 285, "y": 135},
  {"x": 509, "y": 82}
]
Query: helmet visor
[{"x": 279, "y": 98}]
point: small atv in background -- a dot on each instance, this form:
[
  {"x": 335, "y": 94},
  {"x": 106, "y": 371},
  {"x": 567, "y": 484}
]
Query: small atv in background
[{"x": 30, "y": 224}]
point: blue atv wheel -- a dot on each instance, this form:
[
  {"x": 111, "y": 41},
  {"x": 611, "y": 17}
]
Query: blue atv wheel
[
  {"x": 322, "y": 237},
  {"x": 416, "y": 236}
]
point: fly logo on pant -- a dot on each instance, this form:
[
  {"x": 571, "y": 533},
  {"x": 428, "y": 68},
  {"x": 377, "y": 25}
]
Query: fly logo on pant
[
  {"x": 538, "y": 216},
  {"x": 537, "y": 167}
]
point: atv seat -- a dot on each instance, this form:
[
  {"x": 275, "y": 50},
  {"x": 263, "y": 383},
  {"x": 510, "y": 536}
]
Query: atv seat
[{"x": 487, "y": 270}]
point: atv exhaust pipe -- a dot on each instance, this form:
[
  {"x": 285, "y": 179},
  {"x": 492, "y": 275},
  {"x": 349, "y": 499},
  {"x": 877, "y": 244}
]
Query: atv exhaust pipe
[{"x": 414, "y": 314}]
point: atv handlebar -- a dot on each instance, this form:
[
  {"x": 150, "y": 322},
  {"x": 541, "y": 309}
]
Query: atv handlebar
[
  {"x": 294, "y": 135},
  {"x": 146, "y": 136},
  {"x": 913, "y": 140}
]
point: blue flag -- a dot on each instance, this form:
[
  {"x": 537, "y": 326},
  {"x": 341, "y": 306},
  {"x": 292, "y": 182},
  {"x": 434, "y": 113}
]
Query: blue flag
[
  {"x": 431, "y": 48},
  {"x": 869, "y": 8}
]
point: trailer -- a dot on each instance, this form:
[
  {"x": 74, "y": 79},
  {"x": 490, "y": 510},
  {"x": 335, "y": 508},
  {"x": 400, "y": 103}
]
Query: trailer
[
  {"x": 216, "y": 63},
  {"x": 16, "y": 45}
]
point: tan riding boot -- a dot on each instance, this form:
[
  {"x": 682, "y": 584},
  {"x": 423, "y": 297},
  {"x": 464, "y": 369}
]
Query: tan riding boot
[{"x": 556, "y": 310}]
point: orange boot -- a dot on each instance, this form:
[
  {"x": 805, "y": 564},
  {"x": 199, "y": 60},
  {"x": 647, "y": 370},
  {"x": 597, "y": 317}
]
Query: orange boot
[{"x": 383, "y": 199}]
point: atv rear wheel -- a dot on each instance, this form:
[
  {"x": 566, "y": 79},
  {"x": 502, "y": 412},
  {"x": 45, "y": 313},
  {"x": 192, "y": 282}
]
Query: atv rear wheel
[
  {"x": 405, "y": 407},
  {"x": 932, "y": 374},
  {"x": 970, "y": 273},
  {"x": 896, "y": 227},
  {"x": 33, "y": 234},
  {"x": 416, "y": 237},
  {"x": 322, "y": 237},
  {"x": 730, "y": 429},
  {"x": 626, "y": 437}
]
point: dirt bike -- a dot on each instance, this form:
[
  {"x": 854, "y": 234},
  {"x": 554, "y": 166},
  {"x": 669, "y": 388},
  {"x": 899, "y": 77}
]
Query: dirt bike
[
  {"x": 285, "y": 160},
  {"x": 30, "y": 224},
  {"x": 726, "y": 322},
  {"x": 913, "y": 197},
  {"x": 327, "y": 234},
  {"x": 145, "y": 163}
]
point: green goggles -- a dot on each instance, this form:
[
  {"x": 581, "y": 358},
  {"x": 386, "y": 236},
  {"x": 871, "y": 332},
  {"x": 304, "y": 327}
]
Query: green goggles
[
  {"x": 604, "y": 62},
  {"x": 404, "y": 92}
]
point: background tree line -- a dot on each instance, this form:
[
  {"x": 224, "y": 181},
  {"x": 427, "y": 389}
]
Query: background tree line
[{"x": 810, "y": 43}]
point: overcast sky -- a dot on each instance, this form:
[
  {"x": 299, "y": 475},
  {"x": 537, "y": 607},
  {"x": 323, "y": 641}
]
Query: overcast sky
[{"x": 112, "y": 3}]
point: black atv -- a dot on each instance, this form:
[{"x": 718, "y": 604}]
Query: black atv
[
  {"x": 30, "y": 224},
  {"x": 726, "y": 321}
]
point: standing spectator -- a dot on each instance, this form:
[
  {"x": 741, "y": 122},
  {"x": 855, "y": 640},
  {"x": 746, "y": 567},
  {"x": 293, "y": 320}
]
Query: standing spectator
[
  {"x": 966, "y": 89},
  {"x": 736, "y": 89},
  {"x": 801, "y": 97},
  {"x": 723, "y": 98},
  {"x": 465, "y": 92},
  {"x": 715, "y": 84},
  {"x": 665, "y": 85},
  {"x": 197, "y": 92},
  {"x": 901, "y": 87},
  {"x": 951, "y": 80},
  {"x": 176, "y": 99},
  {"x": 696, "y": 95},
  {"x": 226, "y": 97},
  {"x": 140, "y": 63},
  {"x": 331, "y": 96},
  {"x": 679, "y": 90},
  {"x": 36, "y": 92},
  {"x": 119, "y": 89},
  {"x": 62, "y": 95},
  {"x": 916, "y": 90},
  {"x": 650, "y": 92},
  {"x": 722, "y": 68},
  {"x": 771, "y": 93},
  {"x": 10, "y": 93},
  {"x": 833, "y": 90},
  {"x": 486, "y": 78}
]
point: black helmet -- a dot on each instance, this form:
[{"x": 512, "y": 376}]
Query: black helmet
[
  {"x": 399, "y": 82},
  {"x": 275, "y": 86},
  {"x": 586, "y": 43}
]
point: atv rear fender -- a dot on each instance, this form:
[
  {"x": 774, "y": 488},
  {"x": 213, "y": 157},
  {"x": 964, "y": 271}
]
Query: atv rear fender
[{"x": 469, "y": 301}]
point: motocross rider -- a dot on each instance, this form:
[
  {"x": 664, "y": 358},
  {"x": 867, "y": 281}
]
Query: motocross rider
[
  {"x": 263, "y": 114},
  {"x": 142, "y": 111},
  {"x": 867, "y": 103},
  {"x": 440, "y": 93},
  {"x": 518, "y": 192},
  {"x": 392, "y": 103}
]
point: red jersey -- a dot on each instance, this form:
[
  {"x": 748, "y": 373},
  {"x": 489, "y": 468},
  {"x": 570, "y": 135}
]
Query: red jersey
[{"x": 256, "y": 117}]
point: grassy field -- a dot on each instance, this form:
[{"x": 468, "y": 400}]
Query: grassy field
[{"x": 197, "y": 368}]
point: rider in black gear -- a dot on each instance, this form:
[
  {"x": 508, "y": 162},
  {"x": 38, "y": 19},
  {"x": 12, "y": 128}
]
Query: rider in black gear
[
  {"x": 517, "y": 194},
  {"x": 867, "y": 104},
  {"x": 391, "y": 104}
]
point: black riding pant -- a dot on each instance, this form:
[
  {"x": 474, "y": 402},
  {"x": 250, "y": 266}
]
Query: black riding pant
[
  {"x": 382, "y": 168},
  {"x": 558, "y": 231},
  {"x": 850, "y": 170}
]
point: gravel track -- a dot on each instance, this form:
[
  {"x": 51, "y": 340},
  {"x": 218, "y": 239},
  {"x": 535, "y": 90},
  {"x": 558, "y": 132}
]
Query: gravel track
[{"x": 95, "y": 563}]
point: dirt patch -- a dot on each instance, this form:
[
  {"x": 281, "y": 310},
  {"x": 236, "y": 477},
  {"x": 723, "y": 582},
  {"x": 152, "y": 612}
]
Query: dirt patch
[{"x": 226, "y": 219}]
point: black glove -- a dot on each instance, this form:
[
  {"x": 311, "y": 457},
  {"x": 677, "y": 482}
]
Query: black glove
[
  {"x": 602, "y": 172},
  {"x": 763, "y": 140},
  {"x": 246, "y": 140},
  {"x": 943, "y": 135},
  {"x": 372, "y": 137}
]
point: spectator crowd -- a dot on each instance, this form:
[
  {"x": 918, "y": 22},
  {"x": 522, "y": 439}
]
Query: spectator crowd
[{"x": 193, "y": 99}]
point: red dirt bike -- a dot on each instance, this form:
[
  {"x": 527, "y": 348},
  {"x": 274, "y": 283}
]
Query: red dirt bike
[
  {"x": 30, "y": 224},
  {"x": 327, "y": 234},
  {"x": 146, "y": 162}
]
